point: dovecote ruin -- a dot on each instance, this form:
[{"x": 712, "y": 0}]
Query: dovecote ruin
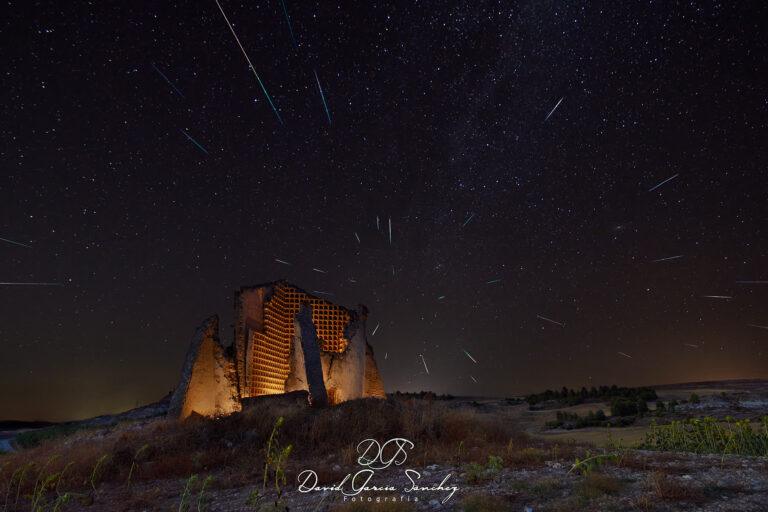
[{"x": 285, "y": 340}]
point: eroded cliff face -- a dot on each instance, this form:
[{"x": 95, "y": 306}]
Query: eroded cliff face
[{"x": 285, "y": 340}]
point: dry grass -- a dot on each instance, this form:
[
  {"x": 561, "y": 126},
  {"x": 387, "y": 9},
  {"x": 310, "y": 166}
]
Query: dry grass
[
  {"x": 669, "y": 488},
  {"x": 547, "y": 488},
  {"x": 526, "y": 456},
  {"x": 234, "y": 445},
  {"x": 595, "y": 485}
]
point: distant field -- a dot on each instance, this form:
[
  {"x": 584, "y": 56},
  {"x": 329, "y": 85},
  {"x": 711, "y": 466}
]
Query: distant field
[{"x": 533, "y": 422}]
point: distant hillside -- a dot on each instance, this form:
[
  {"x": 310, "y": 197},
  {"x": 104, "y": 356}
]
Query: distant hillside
[
  {"x": 734, "y": 383},
  {"x": 18, "y": 425}
]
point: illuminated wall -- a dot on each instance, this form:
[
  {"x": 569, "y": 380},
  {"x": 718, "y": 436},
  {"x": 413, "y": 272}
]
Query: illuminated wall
[{"x": 268, "y": 366}]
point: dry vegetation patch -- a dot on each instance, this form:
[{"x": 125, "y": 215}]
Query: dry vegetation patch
[{"x": 233, "y": 446}]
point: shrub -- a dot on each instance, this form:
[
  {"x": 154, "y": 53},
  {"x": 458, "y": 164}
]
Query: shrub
[
  {"x": 570, "y": 421},
  {"x": 546, "y": 488},
  {"x": 479, "y": 474},
  {"x": 595, "y": 485},
  {"x": 623, "y": 407},
  {"x": 33, "y": 438}
]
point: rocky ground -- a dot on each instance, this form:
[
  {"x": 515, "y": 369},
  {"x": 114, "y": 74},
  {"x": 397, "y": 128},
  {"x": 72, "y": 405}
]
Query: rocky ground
[{"x": 644, "y": 481}]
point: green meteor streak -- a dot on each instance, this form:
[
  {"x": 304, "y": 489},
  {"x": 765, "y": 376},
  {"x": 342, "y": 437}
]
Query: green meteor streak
[
  {"x": 249, "y": 63},
  {"x": 193, "y": 141},
  {"x": 323, "y": 97},
  {"x": 15, "y": 243}
]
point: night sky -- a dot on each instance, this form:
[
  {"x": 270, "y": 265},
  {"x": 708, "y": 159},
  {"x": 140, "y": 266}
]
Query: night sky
[{"x": 441, "y": 119}]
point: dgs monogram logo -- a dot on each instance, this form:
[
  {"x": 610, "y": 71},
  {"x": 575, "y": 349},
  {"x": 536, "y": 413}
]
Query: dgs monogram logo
[{"x": 380, "y": 456}]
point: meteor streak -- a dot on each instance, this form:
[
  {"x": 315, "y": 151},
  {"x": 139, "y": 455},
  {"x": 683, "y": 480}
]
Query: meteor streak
[
  {"x": 625, "y": 355},
  {"x": 474, "y": 379},
  {"x": 717, "y": 296},
  {"x": 550, "y": 320},
  {"x": 375, "y": 329},
  {"x": 166, "y": 79},
  {"x": 249, "y": 62},
  {"x": 758, "y": 326},
  {"x": 283, "y": 262},
  {"x": 493, "y": 281},
  {"x": 469, "y": 356},
  {"x": 193, "y": 141},
  {"x": 321, "y": 271},
  {"x": 290, "y": 27},
  {"x": 390, "y": 231},
  {"x": 553, "y": 110},
  {"x": 441, "y": 297},
  {"x": 356, "y": 236},
  {"x": 15, "y": 243},
  {"x": 668, "y": 258},
  {"x": 663, "y": 182},
  {"x": 322, "y": 96},
  {"x": 467, "y": 221},
  {"x": 425, "y": 363}
]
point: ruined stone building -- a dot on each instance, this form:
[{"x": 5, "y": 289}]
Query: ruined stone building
[{"x": 285, "y": 340}]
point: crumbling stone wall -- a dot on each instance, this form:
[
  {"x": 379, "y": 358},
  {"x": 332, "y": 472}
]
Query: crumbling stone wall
[
  {"x": 207, "y": 385},
  {"x": 372, "y": 385},
  {"x": 249, "y": 317},
  {"x": 344, "y": 371}
]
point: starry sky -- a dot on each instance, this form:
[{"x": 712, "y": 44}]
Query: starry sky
[{"x": 146, "y": 175}]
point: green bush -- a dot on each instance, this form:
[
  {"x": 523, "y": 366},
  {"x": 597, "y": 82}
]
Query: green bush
[
  {"x": 570, "y": 421},
  {"x": 33, "y": 438},
  {"x": 623, "y": 407},
  {"x": 479, "y": 474}
]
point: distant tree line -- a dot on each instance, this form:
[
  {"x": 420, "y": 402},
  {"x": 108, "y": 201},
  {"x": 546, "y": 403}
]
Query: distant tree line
[
  {"x": 571, "y": 420},
  {"x": 602, "y": 394},
  {"x": 425, "y": 395}
]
